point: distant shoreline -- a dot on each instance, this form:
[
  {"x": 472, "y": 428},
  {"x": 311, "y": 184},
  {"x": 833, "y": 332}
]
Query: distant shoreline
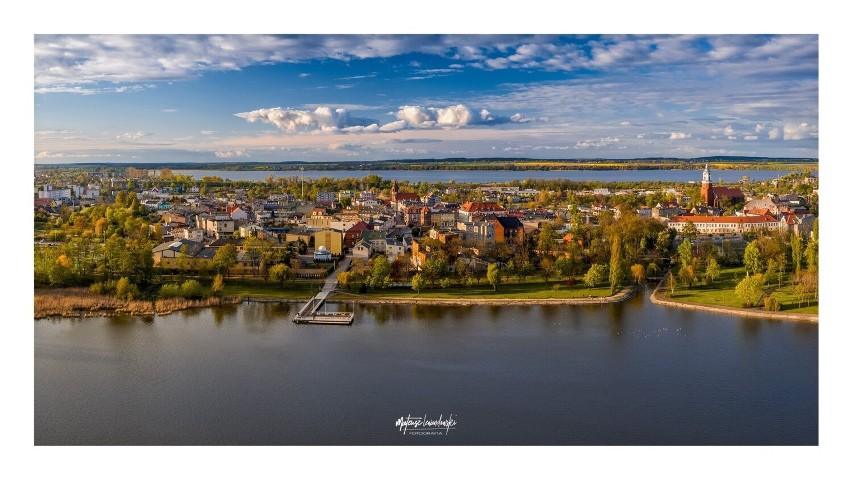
[{"x": 485, "y": 164}]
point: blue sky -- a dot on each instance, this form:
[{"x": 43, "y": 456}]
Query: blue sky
[{"x": 354, "y": 97}]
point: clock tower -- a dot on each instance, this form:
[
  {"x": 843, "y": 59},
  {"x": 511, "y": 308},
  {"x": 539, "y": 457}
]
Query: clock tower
[{"x": 707, "y": 187}]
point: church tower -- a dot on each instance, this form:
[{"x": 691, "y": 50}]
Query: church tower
[
  {"x": 394, "y": 190},
  {"x": 707, "y": 187}
]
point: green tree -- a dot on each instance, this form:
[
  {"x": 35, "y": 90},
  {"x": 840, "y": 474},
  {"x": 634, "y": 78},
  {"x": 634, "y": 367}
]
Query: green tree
[
  {"x": 797, "y": 253},
  {"x": 380, "y": 273},
  {"x": 563, "y": 267},
  {"x": 493, "y": 275},
  {"x": 280, "y": 273},
  {"x": 616, "y": 268},
  {"x": 546, "y": 240},
  {"x": 638, "y": 273},
  {"x": 417, "y": 282},
  {"x": 225, "y": 258},
  {"x": 653, "y": 270},
  {"x": 750, "y": 289},
  {"x": 124, "y": 289},
  {"x": 690, "y": 232},
  {"x": 812, "y": 254},
  {"x": 712, "y": 272},
  {"x": 753, "y": 258},
  {"x": 684, "y": 252},
  {"x": 595, "y": 276}
]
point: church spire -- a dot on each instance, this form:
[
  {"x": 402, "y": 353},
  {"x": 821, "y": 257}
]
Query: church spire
[{"x": 706, "y": 177}]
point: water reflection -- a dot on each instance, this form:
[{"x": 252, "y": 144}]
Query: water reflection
[{"x": 550, "y": 374}]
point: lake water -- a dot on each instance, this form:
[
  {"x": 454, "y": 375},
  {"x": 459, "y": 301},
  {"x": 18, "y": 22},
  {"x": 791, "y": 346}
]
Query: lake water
[
  {"x": 631, "y": 373},
  {"x": 472, "y": 176}
]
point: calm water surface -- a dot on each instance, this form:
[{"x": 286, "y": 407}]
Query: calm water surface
[
  {"x": 631, "y": 373},
  {"x": 469, "y": 176}
]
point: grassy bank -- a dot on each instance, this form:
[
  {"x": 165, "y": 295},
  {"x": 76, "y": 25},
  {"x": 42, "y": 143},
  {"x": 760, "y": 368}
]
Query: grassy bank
[
  {"x": 247, "y": 288},
  {"x": 527, "y": 291},
  {"x": 721, "y": 293}
]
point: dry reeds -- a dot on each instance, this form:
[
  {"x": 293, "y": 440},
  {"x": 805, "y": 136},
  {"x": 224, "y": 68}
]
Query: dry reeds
[{"x": 80, "y": 302}]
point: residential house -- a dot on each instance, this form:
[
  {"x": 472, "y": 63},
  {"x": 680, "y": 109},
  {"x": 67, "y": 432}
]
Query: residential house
[{"x": 508, "y": 229}]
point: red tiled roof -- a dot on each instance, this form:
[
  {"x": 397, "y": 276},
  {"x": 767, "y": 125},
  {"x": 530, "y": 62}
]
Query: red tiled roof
[
  {"x": 407, "y": 197},
  {"x": 478, "y": 206},
  {"x": 727, "y": 192},
  {"x": 725, "y": 219}
]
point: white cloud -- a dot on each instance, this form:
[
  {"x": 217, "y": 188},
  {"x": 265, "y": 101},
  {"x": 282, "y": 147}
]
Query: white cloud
[
  {"x": 208, "y": 132},
  {"x": 802, "y": 131},
  {"x": 678, "y": 135},
  {"x": 323, "y": 118},
  {"x": 599, "y": 143},
  {"x": 169, "y": 110},
  {"x": 338, "y": 120},
  {"x": 131, "y": 136},
  {"x": 304, "y": 75},
  {"x": 759, "y": 127},
  {"x": 750, "y": 137},
  {"x": 774, "y": 134},
  {"x": 235, "y": 153},
  {"x": 625, "y": 123},
  {"x": 729, "y": 131}
]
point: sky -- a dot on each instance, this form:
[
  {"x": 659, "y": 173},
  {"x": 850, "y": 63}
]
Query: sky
[{"x": 209, "y": 98}]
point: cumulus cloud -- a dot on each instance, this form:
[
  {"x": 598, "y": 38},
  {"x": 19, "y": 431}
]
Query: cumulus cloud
[
  {"x": 729, "y": 131},
  {"x": 750, "y": 137},
  {"x": 339, "y": 120},
  {"x": 802, "y": 131},
  {"x": 774, "y": 134},
  {"x": 679, "y": 135},
  {"x": 759, "y": 127},
  {"x": 452, "y": 116},
  {"x": 325, "y": 119},
  {"x": 235, "y": 153}
]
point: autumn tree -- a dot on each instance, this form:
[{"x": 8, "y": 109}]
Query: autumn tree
[
  {"x": 493, "y": 275},
  {"x": 638, "y": 272},
  {"x": 417, "y": 282}
]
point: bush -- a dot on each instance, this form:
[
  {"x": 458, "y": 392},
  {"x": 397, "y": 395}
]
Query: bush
[
  {"x": 191, "y": 289},
  {"x": 557, "y": 287},
  {"x": 772, "y": 303},
  {"x": 446, "y": 283},
  {"x": 124, "y": 289},
  {"x": 169, "y": 291}
]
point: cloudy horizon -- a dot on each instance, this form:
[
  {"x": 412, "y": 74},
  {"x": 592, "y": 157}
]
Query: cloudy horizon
[{"x": 181, "y": 98}]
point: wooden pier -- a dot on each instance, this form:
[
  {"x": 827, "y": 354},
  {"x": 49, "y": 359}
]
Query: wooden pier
[{"x": 311, "y": 314}]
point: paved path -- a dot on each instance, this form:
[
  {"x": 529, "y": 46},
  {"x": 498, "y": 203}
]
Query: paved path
[{"x": 327, "y": 288}]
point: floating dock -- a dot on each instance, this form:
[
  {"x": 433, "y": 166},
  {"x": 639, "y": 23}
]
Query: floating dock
[{"x": 311, "y": 314}]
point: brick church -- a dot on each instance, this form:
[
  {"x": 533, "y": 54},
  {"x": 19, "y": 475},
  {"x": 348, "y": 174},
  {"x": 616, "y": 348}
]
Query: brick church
[{"x": 719, "y": 196}]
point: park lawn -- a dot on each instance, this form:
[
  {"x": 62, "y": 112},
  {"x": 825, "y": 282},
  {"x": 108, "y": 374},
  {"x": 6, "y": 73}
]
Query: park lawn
[
  {"x": 789, "y": 299},
  {"x": 530, "y": 290},
  {"x": 247, "y": 288},
  {"x": 721, "y": 293}
]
